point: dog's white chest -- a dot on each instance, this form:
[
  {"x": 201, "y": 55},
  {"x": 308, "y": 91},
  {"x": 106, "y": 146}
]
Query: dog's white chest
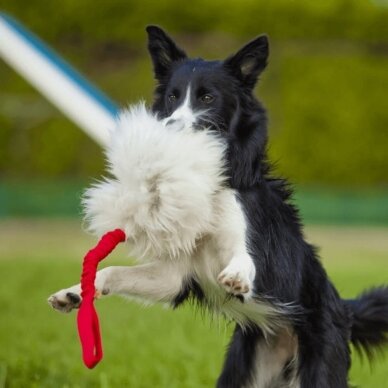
[{"x": 207, "y": 264}]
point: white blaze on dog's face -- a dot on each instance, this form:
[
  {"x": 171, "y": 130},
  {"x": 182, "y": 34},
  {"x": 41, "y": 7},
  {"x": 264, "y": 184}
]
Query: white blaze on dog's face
[{"x": 183, "y": 116}]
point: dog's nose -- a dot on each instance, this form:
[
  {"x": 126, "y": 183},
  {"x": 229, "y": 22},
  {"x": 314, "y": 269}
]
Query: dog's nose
[
  {"x": 177, "y": 124},
  {"x": 170, "y": 121}
]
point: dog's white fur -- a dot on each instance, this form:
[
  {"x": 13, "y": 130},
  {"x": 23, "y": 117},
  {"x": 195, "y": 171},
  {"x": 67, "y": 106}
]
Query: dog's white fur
[{"x": 167, "y": 193}]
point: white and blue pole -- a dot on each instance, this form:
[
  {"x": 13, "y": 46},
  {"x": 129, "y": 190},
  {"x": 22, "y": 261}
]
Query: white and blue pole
[{"x": 63, "y": 86}]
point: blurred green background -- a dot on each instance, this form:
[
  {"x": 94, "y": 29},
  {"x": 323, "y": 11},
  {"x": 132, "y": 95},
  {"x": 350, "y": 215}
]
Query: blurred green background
[{"x": 326, "y": 90}]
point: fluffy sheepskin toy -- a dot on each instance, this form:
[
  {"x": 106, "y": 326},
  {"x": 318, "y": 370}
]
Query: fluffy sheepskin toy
[
  {"x": 163, "y": 186},
  {"x": 160, "y": 198}
]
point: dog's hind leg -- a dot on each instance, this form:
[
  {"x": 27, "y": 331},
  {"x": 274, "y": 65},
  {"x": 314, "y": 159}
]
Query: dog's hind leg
[
  {"x": 324, "y": 358},
  {"x": 155, "y": 282},
  {"x": 257, "y": 361},
  {"x": 238, "y": 367}
]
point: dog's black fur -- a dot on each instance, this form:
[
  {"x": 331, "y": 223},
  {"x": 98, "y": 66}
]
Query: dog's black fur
[{"x": 287, "y": 267}]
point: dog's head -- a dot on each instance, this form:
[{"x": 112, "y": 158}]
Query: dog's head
[
  {"x": 216, "y": 95},
  {"x": 204, "y": 93}
]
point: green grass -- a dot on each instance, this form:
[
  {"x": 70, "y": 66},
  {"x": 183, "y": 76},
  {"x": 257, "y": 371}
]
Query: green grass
[{"x": 144, "y": 347}]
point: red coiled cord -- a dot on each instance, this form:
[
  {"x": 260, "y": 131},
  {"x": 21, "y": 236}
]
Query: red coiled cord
[{"x": 87, "y": 318}]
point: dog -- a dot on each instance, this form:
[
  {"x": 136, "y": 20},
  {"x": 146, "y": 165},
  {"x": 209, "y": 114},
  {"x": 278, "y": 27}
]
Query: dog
[{"x": 256, "y": 268}]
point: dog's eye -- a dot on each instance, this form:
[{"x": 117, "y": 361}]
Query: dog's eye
[
  {"x": 207, "y": 98},
  {"x": 172, "y": 98}
]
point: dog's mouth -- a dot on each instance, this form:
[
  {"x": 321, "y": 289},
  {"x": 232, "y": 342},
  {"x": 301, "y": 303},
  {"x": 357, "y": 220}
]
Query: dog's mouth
[
  {"x": 200, "y": 126},
  {"x": 208, "y": 124},
  {"x": 201, "y": 123}
]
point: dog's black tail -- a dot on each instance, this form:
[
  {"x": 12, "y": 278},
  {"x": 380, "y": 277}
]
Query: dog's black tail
[{"x": 370, "y": 320}]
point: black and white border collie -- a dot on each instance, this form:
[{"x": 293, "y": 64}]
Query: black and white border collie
[{"x": 254, "y": 266}]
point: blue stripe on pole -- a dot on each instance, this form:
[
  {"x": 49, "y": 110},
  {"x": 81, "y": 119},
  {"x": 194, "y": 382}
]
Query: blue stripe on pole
[{"x": 62, "y": 65}]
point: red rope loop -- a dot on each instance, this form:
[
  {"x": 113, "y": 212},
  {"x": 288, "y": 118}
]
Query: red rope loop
[{"x": 87, "y": 318}]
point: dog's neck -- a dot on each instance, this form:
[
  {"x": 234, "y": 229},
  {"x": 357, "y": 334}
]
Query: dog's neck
[{"x": 247, "y": 143}]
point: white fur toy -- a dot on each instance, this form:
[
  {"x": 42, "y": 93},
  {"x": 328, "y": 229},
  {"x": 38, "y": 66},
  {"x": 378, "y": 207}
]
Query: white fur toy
[{"x": 163, "y": 188}]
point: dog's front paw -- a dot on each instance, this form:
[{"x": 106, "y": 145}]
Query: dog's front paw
[
  {"x": 64, "y": 301},
  {"x": 237, "y": 278}
]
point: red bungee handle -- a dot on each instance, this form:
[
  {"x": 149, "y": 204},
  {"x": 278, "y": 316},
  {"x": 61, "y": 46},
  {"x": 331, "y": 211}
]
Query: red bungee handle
[{"x": 87, "y": 318}]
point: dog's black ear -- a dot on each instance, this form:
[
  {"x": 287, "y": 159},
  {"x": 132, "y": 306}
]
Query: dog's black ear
[
  {"x": 163, "y": 51},
  {"x": 249, "y": 61}
]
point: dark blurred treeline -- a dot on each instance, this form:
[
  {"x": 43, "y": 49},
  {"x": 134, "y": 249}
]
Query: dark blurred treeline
[{"x": 326, "y": 85}]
